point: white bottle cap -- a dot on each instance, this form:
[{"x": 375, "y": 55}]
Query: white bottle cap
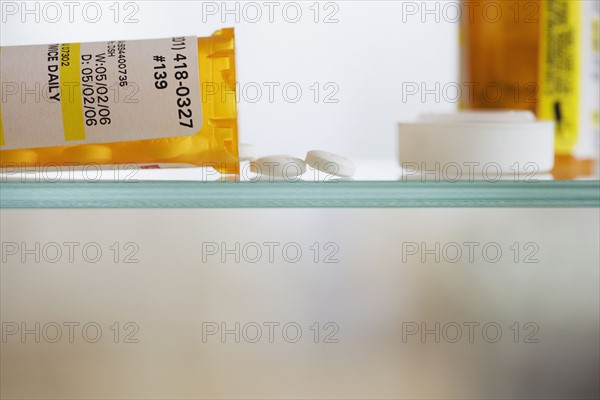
[
  {"x": 481, "y": 116},
  {"x": 512, "y": 146}
]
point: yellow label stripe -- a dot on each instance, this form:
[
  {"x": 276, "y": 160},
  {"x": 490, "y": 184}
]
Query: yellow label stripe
[
  {"x": 560, "y": 70},
  {"x": 70, "y": 92}
]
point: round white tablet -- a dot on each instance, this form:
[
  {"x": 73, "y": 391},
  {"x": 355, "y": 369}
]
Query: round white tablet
[
  {"x": 279, "y": 166},
  {"x": 330, "y": 163}
]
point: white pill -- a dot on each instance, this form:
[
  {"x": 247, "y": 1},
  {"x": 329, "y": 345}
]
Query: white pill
[
  {"x": 330, "y": 163},
  {"x": 247, "y": 152},
  {"x": 279, "y": 166}
]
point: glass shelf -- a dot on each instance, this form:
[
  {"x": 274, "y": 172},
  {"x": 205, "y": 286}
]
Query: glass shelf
[
  {"x": 341, "y": 194},
  {"x": 377, "y": 184}
]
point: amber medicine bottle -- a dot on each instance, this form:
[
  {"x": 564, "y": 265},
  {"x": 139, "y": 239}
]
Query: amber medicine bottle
[
  {"x": 154, "y": 103},
  {"x": 538, "y": 55}
]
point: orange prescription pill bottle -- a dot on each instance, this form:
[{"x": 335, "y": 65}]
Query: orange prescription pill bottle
[
  {"x": 537, "y": 55},
  {"x": 500, "y": 54},
  {"x": 158, "y": 103}
]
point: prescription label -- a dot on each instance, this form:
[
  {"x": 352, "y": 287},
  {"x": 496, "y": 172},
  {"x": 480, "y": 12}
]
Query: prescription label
[
  {"x": 569, "y": 75},
  {"x": 104, "y": 92}
]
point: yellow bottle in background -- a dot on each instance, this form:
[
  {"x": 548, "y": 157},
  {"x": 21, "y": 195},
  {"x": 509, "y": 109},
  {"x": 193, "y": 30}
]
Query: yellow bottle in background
[
  {"x": 156, "y": 103},
  {"x": 541, "y": 56},
  {"x": 569, "y": 88}
]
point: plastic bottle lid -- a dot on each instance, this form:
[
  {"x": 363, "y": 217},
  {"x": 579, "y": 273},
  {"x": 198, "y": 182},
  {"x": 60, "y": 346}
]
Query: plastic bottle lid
[
  {"x": 481, "y": 116},
  {"x": 510, "y": 141}
]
